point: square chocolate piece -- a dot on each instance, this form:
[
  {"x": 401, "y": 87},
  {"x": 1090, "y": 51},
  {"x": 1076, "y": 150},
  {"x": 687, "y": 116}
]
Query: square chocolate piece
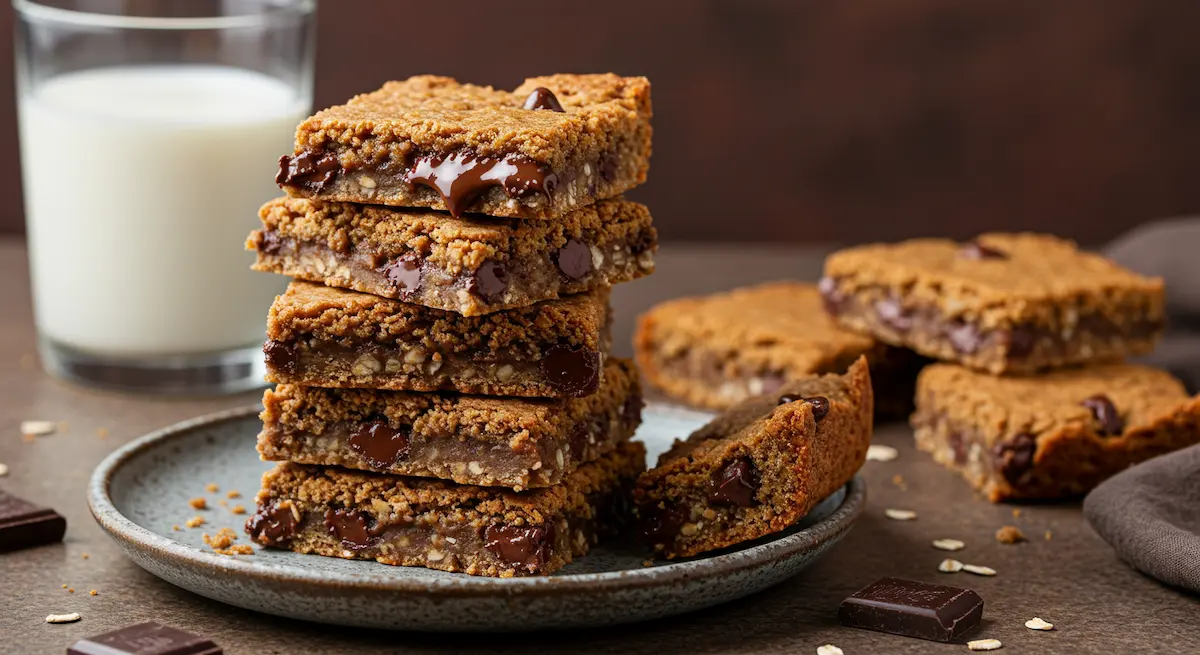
[
  {"x": 1003, "y": 303},
  {"x": 1051, "y": 436},
  {"x": 913, "y": 609},
  {"x": 24, "y": 525},
  {"x": 148, "y": 638}
]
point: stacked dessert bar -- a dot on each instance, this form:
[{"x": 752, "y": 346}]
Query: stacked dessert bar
[
  {"x": 1031, "y": 399},
  {"x": 444, "y": 396}
]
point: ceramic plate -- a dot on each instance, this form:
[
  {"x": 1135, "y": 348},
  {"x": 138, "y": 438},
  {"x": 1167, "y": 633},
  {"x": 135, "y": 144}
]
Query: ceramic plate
[{"x": 140, "y": 492}]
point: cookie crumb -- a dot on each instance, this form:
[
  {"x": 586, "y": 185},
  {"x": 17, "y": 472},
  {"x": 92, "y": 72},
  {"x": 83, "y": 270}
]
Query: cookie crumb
[
  {"x": 84, "y": 556},
  {"x": 950, "y": 566},
  {"x": 63, "y": 618},
  {"x": 900, "y": 514},
  {"x": 3, "y": 470},
  {"x": 223, "y": 503},
  {"x": 236, "y": 549},
  {"x": 195, "y": 522},
  {"x": 233, "y": 493},
  {"x": 212, "y": 487},
  {"x": 948, "y": 544},
  {"x": 829, "y": 649},
  {"x": 64, "y": 586},
  {"x": 175, "y": 527},
  {"x": 984, "y": 644},
  {"x": 70, "y": 590},
  {"x": 102, "y": 432},
  {"x": 37, "y": 428},
  {"x": 238, "y": 509},
  {"x": 979, "y": 570},
  {"x": 647, "y": 562},
  {"x": 1010, "y": 534},
  {"x": 1048, "y": 535},
  {"x": 93, "y": 593},
  {"x": 1016, "y": 512},
  {"x": 198, "y": 503},
  {"x": 898, "y": 480},
  {"x": 881, "y": 453},
  {"x": 1037, "y": 624}
]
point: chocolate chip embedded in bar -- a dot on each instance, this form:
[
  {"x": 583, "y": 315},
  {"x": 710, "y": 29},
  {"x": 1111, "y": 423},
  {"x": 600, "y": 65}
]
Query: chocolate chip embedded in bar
[
  {"x": 471, "y": 267},
  {"x": 485, "y": 531},
  {"x": 913, "y": 609},
  {"x": 1003, "y": 303},
  {"x": 759, "y": 467},
  {"x": 718, "y": 350},
  {"x": 512, "y": 442},
  {"x": 1054, "y": 435},
  {"x": 148, "y": 638},
  {"x": 325, "y": 337},
  {"x": 554, "y": 144},
  {"x": 23, "y": 524}
]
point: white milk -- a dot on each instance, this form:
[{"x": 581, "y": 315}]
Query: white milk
[{"x": 141, "y": 185}]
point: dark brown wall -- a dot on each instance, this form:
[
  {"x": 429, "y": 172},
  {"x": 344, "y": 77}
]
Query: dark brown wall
[{"x": 827, "y": 119}]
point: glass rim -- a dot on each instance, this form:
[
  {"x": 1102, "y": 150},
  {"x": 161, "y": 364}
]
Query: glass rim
[{"x": 33, "y": 10}]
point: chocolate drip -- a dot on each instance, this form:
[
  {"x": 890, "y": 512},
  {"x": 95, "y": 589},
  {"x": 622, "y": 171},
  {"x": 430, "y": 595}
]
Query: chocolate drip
[
  {"x": 308, "y": 169},
  {"x": 462, "y": 176}
]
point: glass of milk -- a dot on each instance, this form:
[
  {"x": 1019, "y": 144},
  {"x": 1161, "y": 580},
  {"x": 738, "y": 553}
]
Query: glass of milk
[{"x": 150, "y": 131}]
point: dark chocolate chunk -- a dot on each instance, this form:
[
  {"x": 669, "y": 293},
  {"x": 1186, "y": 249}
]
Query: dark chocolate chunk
[
  {"x": 820, "y": 406},
  {"x": 490, "y": 281},
  {"x": 281, "y": 356},
  {"x": 574, "y": 260},
  {"x": 269, "y": 243},
  {"x": 573, "y": 371},
  {"x": 1014, "y": 458},
  {"x": 148, "y": 638},
  {"x": 893, "y": 314},
  {"x": 310, "y": 170},
  {"x": 1106, "y": 414},
  {"x": 274, "y": 524},
  {"x": 913, "y": 609},
  {"x": 661, "y": 525},
  {"x": 543, "y": 98},
  {"x": 405, "y": 275},
  {"x": 527, "y": 547},
  {"x": 735, "y": 484},
  {"x": 1021, "y": 340},
  {"x": 977, "y": 251},
  {"x": 964, "y": 337},
  {"x": 831, "y": 297},
  {"x": 24, "y": 525},
  {"x": 352, "y": 527},
  {"x": 460, "y": 177},
  {"x": 380, "y": 444}
]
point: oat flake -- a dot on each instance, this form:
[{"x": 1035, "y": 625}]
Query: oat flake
[
  {"x": 950, "y": 566},
  {"x": 1037, "y": 624},
  {"x": 881, "y": 453},
  {"x": 979, "y": 570},
  {"x": 948, "y": 544},
  {"x": 900, "y": 514},
  {"x": 829, "y": 649},
  {"x": 63, "y": 618},
  {"x": 984, "y": 644}
]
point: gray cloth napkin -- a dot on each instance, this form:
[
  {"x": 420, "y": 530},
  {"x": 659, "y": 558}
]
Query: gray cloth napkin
[{"x": 1150, "y": 513}]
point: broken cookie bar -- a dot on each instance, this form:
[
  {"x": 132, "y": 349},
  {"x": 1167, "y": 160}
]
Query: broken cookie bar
[
  {"x": 759, "y": 467},
  {"x": 715, "y": 351},
  {"x": 325, "y": 337},
  {"x": 441, "y": 525},
  {"x": 1003, "y": 303},
  {"x": 470, "y": 267},
  {"x": 1054, "y": 435},
  {"x": 554, "y": 144},
  {"x": 510, "y": 442}
]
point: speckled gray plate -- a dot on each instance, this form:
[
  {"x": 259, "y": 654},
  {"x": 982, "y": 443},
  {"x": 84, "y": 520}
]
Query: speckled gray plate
[{"x": 140, "y": 491}]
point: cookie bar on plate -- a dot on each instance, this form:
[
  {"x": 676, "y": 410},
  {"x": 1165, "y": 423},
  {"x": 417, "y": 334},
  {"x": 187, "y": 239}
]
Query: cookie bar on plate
[
  {"x": 715, "y": 351},
  {"x": 441, "y": 525},
  {"x": 1054, "y": 435},
  {"x": 1003, "y": 303},
  {"x": 554, "y": 144},
  {"x": 759, "y": 467}
]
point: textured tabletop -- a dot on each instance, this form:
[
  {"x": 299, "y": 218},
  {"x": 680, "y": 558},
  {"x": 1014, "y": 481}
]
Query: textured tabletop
[{"x": 1073, "y": 580}]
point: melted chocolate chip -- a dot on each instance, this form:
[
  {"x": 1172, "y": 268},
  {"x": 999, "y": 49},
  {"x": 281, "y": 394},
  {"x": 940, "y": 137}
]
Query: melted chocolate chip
[
  {"x": 281, "y": 356},
  {"x": 309, "y": 170},
  {"x": 1021, "y": 340},
  {"x": 405, "y": 276},
  {"x": 893, "y": 314},
  {"x": 352, "y": 528},
  {"x": 489, "y": 281},
  {"x": 831, "y": 297},
  {"x": 273, "y": 524},
  {"x": 735, "y": 484},
  {"x": 1014, "y": 458},
  {"x": 661, "y": 525},
  {"x": 543, "y": 98},
  {"x": 462, "y": 176},
  {"x": 977, "y": 251},
  {"x": 528, "y": 547},
  {"x": 380, "y": 444},
  {"x": 608, "y": 168},
  {"x": 574, "y": 260},
  {"x": 964, "y": 337},
  {"x": 571, "y": 371},
  {"x": 820, "y": 404},
  {"x": 1106, "y": 415},
  {"x": 270, "y": 243}
]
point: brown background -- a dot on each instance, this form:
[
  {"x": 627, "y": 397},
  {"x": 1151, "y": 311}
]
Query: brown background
[{"x": 827, "y": 120}]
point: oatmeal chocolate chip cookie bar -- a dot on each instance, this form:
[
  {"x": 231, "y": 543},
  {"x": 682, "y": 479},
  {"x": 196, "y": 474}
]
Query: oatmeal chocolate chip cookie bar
[
  {"x": 715, "y": 351},
  {"x": 440, "y": 525},
  {"x": 1054, "y": 435},
  {"x": 471, "y": 267},
  {"x": 554, "y": 144},
  {"x": 759, "y": 467},
  {"x": 325, "y": 337},
  {"x": 511, "y": 442},
  {"x": 1003, "y": 303}
]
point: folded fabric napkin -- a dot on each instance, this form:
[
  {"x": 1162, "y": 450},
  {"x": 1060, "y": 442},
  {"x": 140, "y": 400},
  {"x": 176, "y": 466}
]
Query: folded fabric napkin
[{"x": 1150, "y": 514}]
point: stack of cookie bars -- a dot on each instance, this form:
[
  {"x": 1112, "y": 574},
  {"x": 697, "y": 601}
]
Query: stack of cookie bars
[{"x": 444, "y": 396}]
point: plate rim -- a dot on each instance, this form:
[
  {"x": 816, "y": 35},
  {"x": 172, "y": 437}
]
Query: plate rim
[{"x": 123, "y": 529}]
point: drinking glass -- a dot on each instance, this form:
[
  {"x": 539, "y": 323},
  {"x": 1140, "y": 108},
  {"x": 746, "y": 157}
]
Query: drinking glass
[{"x": 149, "y": 133}]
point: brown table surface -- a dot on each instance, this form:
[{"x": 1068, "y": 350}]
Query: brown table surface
[{"x": 1070, "y": 578}]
